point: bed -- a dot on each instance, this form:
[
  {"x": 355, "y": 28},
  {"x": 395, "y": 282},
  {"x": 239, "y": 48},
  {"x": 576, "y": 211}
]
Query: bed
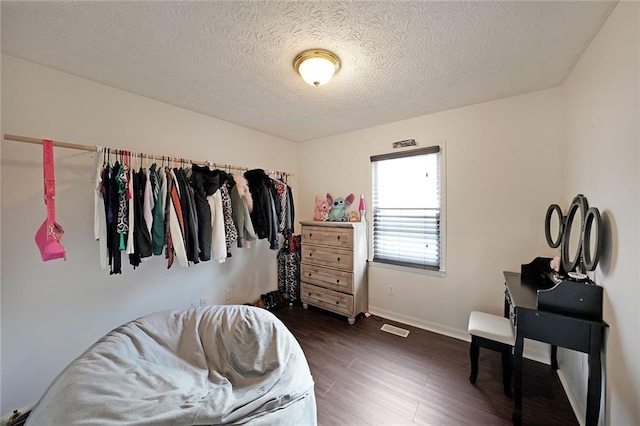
[{"x": 202, "y": 366}]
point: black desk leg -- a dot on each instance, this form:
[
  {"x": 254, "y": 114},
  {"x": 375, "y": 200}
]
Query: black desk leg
[
  {"x": 517, "y": 370},
  {"x": 554, "y": 357},
  {"x": 594, "y": 388}
]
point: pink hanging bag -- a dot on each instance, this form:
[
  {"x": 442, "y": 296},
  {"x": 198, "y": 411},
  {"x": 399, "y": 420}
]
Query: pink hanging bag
[{"x": 50, "y": 232}]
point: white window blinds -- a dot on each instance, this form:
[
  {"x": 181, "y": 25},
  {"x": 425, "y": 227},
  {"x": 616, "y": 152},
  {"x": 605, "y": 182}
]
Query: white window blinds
[{"x": 406, "y": 208}]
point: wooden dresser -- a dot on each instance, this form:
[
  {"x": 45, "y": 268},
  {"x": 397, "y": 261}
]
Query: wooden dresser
[{"x": 333, "y": 271}]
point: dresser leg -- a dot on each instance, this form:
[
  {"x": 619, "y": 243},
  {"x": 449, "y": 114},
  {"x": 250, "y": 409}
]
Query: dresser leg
[
  {"x": 352, "y": 320},
  {"x": 305, "y": 305}
]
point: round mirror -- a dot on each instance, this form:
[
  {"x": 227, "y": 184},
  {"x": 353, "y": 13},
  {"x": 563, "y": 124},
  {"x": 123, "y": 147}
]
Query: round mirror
[
  {"x": 591, "y": 239},
  {"x": 553, "y": 225},
  {"x": 572, "y": 237}
]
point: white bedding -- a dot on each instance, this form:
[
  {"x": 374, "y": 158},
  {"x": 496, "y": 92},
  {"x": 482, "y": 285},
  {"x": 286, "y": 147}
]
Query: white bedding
[{"x": 203, "y": 366}]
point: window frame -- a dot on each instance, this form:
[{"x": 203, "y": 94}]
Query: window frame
[{"x": 408, "y": 266}]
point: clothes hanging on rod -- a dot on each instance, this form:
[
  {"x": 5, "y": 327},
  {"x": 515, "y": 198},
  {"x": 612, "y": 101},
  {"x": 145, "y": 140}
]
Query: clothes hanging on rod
[
  {"x": 186, "y": 210},
  {"x": 268, "y": 211},
  {"x": 201, "y": 224}
]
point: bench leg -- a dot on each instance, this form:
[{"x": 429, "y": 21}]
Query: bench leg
[
  {"x": 506, "y": 371},
  {"x": 474, "y": 353}
]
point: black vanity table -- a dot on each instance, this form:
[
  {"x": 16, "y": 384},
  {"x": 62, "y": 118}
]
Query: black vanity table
[{"x": 563, "y": 313}]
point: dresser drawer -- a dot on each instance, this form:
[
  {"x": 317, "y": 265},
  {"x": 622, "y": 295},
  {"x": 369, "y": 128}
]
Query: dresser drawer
[
  {"x": 330, "y": 278},
  {"x": 327, "y": 256},
  {"x": 327, "y": 299},
  {"x": 336, "y": 237}
]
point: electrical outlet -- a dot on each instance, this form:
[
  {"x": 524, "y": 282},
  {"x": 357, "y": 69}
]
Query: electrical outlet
[
  {"x": 229, "y": 294},
  {"x": 203, "y": 301},
  {"x": 390, "y": 290}
]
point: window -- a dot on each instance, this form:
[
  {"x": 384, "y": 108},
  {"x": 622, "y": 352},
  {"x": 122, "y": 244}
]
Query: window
[{"x": 406, "y": 208}]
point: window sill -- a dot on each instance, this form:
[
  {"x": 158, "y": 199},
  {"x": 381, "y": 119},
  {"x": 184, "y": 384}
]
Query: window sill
[{"x": 440, "y": 273}]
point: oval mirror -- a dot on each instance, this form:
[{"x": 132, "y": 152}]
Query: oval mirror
[
  {"x": 553, "y": 225},
  {"x": 591, "y": 239},
  {"x": 572, "y": 236}
]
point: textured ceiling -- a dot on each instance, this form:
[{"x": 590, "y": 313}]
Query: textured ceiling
[{"x": 233, "y": 59}]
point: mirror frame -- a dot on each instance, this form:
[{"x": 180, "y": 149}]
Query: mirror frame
[
  {"x": 547, "y": 225},
  {"x": 591, "y": 218},
  {"x": 579, "y": 203}
]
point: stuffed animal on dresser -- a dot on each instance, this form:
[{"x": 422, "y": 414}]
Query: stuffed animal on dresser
[
  {"x": 322, "y": 209},
  {"x": 339, "y": 207}
]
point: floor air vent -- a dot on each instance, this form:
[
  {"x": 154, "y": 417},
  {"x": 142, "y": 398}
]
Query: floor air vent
[{"x": 395, "y": 330}]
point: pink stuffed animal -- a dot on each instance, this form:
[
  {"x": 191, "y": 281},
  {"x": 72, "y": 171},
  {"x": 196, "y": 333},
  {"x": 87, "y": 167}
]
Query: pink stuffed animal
[{"x": 322, "y": 210}]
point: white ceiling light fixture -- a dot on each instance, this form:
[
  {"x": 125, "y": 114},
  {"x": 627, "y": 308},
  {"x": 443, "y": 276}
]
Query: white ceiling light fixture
[{"x": 316, "y": 66}]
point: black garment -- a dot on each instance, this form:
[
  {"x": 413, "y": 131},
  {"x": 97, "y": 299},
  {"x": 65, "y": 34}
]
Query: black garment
[
  {"x": 274, "y": 226},
  {"x": 277, "y": 205},
  {"x": 291, "y": 214},
  {"x": 189, "y": 216},
  {"x": 141, "y": 238},
  {"x": 134, "y": 258},
  {"x": 205, "y": 182},
  {"x": 193, "y": 216},
  {"x": 263, "y": 216},
  {"x": 110, "y": 195}
]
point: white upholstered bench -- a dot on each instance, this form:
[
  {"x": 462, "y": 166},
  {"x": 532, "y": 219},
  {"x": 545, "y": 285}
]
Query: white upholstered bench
[{"x": 491, "y": 332}]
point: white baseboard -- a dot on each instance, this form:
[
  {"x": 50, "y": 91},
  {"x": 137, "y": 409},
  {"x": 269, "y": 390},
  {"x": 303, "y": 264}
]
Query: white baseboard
[
  {"x": 532, "y": 354},
  {"x": 5, "y": 419},
  {"x": 425, "y": 325}
]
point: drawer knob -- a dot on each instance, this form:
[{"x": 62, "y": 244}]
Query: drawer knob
[
  {"x": 337, "y": 303},
  {"x": 337, "y": 281},
  {"x": 309, "y": 273},
  {"x": 310, "y": 234},
  {"x": 310, "y": 254},
  {"x": 338, "y": 237},
  {"x": 338, "y": 259}
]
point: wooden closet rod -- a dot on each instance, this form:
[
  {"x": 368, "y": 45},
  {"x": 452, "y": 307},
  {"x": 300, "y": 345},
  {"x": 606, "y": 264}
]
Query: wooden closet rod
[
  {"x": 17, "y": 138},
  {"x": 93, "y": 148}
]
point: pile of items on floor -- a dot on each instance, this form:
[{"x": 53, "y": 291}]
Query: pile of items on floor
[{"x": 273, "y": 300}]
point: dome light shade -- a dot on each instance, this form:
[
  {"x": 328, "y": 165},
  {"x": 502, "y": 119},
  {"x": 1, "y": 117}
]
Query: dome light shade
[{"x": 316, "y": 66}]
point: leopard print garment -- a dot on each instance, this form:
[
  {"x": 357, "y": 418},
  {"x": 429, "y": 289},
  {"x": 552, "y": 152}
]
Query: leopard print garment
[
  {"x": 289, "y": 274},
  {"x": 230, "y": 231}
]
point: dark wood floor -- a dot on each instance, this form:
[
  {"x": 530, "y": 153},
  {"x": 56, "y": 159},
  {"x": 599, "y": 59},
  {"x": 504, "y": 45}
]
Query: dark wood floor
[{"x": 364, "y": 376}]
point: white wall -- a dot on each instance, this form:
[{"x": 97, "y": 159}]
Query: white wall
[
  {"x": 502, "y": 173},
  {"x": 601, "y": 160},
  {"x": 52, "y": 311}
]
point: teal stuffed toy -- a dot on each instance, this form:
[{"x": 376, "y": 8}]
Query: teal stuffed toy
[{"x": 339, "y": 208}]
